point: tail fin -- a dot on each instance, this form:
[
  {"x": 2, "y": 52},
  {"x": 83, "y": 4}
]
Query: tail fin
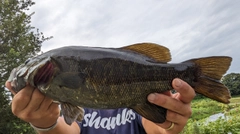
[{"x": 211, "y": 71}]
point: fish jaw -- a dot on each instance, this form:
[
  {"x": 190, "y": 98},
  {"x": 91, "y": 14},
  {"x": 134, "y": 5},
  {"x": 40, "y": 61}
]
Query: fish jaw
[
  {"x": 30, "y": 73},
  {"x": 17, "y": 83}
]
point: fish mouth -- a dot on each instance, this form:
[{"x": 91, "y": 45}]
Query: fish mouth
[
  {"x": 44, "y": 74},
  {"x": 36, "y": 72}
]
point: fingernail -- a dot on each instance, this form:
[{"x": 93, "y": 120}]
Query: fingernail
[
  {"x": 151, "y": 97},
  {"x": 178, "y": 83}
]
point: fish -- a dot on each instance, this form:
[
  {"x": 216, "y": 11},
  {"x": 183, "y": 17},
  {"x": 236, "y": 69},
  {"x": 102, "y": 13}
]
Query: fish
[{"x": 80, "y": 77}]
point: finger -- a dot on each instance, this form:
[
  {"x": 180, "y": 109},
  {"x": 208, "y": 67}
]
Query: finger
[
  {"x": 165, "y": 125},
  {"x": 9, "y": 87},
  {"x": 21, "y": 99},
  {"x": 186, "y": 92},
  {"x": 178, "y": 121},
  {"x": 176, "y": 118},
  {"x": 35, "y": 102},
  {"x": 45, "y": 104},
  {"x": 168, "y": 93},
  {"x": 168, "y": 103},
  {"x": 54, "y": 109}
]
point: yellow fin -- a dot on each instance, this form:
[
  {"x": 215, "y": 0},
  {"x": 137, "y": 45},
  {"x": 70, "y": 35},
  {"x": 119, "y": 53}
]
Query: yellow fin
[
  {"x": 152, "y": 50},
  {"x": 214, "y": 67},
  {"x": 211, "y": 71}
]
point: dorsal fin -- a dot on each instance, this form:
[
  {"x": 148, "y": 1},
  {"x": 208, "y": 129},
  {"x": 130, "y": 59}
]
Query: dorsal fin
[{"x": 152, "y": 50}]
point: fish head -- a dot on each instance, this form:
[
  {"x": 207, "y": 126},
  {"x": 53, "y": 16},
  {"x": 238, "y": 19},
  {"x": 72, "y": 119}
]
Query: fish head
[
  {"x": 35, "y": 71},
  {"x": 40, "y": 72}
]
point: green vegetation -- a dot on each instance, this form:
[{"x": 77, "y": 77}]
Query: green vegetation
[
  {"x": 235, "y": 100},
  {"x": 203, "y": 108},
  {"x": 232, "y": 81},
  {"x": 18, "y": 41}
]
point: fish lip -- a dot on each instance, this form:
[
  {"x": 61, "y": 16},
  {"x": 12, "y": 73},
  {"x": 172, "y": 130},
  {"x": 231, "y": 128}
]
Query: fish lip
[
  {"x": 13, "y": 75},
  {"x": 14, "y": 81}
]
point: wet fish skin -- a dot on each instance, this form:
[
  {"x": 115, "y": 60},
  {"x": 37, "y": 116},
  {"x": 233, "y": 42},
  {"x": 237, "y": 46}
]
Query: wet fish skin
[{"x": 123, "y": 77}]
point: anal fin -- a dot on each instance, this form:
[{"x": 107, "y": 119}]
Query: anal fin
[{"x": 151, "y": 112}]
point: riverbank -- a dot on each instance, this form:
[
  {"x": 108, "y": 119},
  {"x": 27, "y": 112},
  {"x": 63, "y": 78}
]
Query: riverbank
[{"x": 204, "y": 108}]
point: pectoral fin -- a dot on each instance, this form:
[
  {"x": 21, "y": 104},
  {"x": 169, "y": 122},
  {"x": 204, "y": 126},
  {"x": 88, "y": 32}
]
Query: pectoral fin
[
  {"x": 71, "y": 113},
  {"x": 72, "y": 80},
  {"x": 151, "y": 112},
  {"x": 152, "y": 50}
]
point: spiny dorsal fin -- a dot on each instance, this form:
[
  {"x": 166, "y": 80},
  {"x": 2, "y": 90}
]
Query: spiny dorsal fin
[{"x": 152, "y": 50}]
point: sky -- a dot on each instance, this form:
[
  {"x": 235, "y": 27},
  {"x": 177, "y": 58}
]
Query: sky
[{"x": 189, "y": 28}]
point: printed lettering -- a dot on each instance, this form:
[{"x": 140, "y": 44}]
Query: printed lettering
[
  {"x": 93, "y": 121},
  {"x": 113, "y": 123},
  {"x": 105, "y": 123},
  {"x": 96, "y": 121},
  {"x": 86, "y": 116}
]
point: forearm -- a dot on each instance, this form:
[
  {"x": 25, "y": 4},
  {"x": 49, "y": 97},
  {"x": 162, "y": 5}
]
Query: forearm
[{"x": 63, "y": 128}]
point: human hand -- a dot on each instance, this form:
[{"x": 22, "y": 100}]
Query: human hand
[
  {"x": 32, "y": 106},
  {"x": 178, "y": 105}
]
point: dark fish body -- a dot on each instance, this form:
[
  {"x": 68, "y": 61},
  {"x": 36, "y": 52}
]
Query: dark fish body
[
  {"x": 108, "y": 81},
  {"x": 118, "y": 77}
]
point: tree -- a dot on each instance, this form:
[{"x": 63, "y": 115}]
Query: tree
[
  {"x": 18, "y": 41},
  {"x": 232, "y": 81}
]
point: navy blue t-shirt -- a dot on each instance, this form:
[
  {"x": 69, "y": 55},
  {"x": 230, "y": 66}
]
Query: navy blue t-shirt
[{"x": 111, "y": 121}]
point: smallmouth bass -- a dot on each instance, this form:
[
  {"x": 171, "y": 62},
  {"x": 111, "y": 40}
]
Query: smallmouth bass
[{"x": 108, "y": 78}]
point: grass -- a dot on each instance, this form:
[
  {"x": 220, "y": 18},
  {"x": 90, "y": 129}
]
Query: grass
[
  {"x": 203, "y": 108},
  {"x": 235, "y": 100}
]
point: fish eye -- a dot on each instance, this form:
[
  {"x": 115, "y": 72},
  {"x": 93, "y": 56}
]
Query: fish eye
[{"x": 26, "y": 62}]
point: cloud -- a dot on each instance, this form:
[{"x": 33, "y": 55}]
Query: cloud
[
  {"x": 189, "y": 29},
  {"x": 216, "y": 34}
]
